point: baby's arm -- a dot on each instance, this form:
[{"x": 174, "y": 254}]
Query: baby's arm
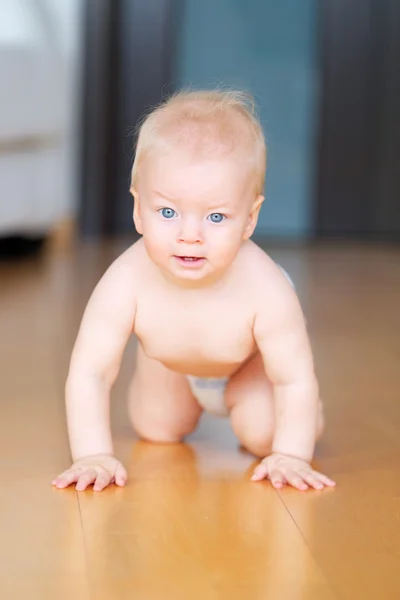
[
  {"x": 107, "y": 323},
  {"x": 282, "y": 338}
]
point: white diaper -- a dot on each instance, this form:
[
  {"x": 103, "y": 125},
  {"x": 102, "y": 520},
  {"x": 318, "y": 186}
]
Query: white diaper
[{"x": 210, "y": 393}]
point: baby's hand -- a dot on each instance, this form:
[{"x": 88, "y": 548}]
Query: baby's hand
[
  {"x": 281, "y": 469},
  {"x": 101, "y": 470}
]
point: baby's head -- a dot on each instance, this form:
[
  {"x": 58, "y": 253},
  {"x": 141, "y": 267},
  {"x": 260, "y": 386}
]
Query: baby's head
[{"x": 198, "y": 181}]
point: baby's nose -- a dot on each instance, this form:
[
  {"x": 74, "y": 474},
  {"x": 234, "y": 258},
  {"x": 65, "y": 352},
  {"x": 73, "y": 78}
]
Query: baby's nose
[{"x": 190, "y": 232}]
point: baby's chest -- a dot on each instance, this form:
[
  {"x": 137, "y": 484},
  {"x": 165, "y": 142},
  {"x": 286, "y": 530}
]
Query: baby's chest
[{"x": 220, "y": 333}]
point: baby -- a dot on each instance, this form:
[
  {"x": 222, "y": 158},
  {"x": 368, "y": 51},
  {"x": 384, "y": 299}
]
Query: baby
[{"x": 218, "y": 323}]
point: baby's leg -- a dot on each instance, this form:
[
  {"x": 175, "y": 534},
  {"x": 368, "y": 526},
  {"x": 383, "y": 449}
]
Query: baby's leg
[
  {"x": 161, "y": 406},
  {"x": 249, "y": 397}
]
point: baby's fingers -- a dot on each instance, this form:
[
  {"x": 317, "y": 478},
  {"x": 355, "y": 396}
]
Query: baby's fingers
[
  {"x": 260, "y": 472},
  {"x": 317, "y": 480},
  {"x": 324, "y": 479},
  {"x": 296, "y": 480},
  {"x": 103, "y": 480},
  {"x": 274, "y": 475},
  {"x": 86, "y": 479},
  {"x": 312, "y": 479},
  {"x": 66, "y": 478},
  {"x": 121, "y": 475}
]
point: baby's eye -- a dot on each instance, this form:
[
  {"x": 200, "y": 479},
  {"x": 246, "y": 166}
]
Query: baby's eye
[
  {"x": 167, "y": 213},
  {"x": 216, "y": 217}
]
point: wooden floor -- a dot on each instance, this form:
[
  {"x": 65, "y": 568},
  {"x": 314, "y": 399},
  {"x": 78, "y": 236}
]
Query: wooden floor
[{"x": 190, "y": 524}]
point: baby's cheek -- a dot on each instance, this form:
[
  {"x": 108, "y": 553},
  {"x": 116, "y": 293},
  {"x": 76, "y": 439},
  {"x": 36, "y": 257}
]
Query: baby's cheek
[
  {"x": 158, "y": 246},
  {"x": 155, "y": 243},
  {"x": 226, "y": 248},
  {"x": 155, "y": 233}
]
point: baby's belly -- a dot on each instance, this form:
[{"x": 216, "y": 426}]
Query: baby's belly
[
  {"x": 203, "y": 369},
  {"x": 200, "y": 364}
]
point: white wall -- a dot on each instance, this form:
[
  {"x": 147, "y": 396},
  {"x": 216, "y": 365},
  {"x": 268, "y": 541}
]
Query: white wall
[
  {"x": 40, "y": 64},
  {"x": 67, "y": 22}
]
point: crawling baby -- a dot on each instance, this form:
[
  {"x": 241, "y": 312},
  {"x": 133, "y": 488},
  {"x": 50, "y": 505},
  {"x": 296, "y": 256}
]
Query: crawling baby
[{"x": 218, "y": 322}]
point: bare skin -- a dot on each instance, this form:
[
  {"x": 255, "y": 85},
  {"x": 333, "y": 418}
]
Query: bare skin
[{"x": 231, "y": 313}]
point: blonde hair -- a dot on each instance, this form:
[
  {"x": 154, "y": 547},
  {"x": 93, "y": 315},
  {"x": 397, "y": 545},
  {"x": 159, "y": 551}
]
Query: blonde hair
[{"x": 206, "y": 122}]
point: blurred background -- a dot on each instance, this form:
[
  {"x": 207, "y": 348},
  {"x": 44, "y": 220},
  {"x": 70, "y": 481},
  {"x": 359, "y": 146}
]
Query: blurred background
[{"x": 77, "y": 74}]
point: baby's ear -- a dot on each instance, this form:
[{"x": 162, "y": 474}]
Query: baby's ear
[
  {"x": 253, "y": 217},
  {"x": 136, "y": 211}
]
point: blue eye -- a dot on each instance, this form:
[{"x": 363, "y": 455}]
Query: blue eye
[
  {"x": 167, "y": 213},
  {"x": 216, "y": 217}
]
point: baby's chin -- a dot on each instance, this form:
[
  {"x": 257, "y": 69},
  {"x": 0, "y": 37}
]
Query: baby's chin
[
  {"x": 207, "y": 274},
  {"x": 190, "y": 271},
  {"x": 186, "y": 272}
]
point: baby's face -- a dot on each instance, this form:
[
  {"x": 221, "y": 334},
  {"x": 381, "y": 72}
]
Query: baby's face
[{"x": 194, "y": 215}]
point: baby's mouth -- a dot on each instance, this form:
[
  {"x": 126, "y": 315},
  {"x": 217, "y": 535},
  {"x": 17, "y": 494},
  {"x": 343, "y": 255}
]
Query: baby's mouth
[{"x": 190, "y": 260}]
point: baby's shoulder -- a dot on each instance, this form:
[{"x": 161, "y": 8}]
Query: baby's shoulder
[
  {"x": 265, "y": 278},
  {"x": 131, "y": 260},
  {"x": 257, "y": 263},
  {"x": 127, "y": 269}
]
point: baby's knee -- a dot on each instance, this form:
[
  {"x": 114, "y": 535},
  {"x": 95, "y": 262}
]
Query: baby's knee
[
  {"x": 254, "y": 425},
  {"x": 254, "y": 432},
  {"x": 153, "y": 429},
  {"x": 260, "y": 445},
  {"x": 152, "y": 433}
]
